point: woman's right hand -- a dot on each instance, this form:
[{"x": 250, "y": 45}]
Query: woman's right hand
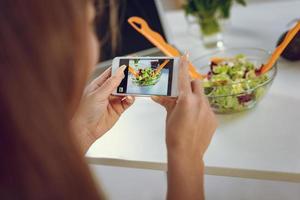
[
  {"x": 190, "y": 126},
  {"x": 190, "y": 122}
]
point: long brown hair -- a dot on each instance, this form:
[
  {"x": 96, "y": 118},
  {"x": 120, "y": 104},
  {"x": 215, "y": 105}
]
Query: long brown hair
[{"x": 40, "y": 74}]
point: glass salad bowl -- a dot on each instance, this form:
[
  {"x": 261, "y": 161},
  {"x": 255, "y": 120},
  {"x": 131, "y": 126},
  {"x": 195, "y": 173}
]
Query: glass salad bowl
[
  {"x": 146, "y": 77},
  {"x": 234, "y": 82}
]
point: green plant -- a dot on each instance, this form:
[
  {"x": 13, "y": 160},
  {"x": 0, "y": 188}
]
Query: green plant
[
  {"x": 225, "y": 6},
  {"x": 136, "y": 61},
  {"x": 207, "y": 12}
]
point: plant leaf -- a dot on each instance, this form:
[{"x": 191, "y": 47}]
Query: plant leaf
[{"x": 242, "y": 2}]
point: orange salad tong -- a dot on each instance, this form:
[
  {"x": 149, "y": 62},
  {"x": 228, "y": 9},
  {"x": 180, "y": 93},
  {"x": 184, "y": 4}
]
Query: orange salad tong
[
  {"x": 134, "y": 73},
  {"x": 277, "y": 52},
  {"x": 161, "y": 66},
  {"x": 157, "y": 40}
]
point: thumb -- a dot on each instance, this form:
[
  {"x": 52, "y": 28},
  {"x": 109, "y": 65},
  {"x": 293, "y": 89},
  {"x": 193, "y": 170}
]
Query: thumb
[{"x": 110, "y": 85}]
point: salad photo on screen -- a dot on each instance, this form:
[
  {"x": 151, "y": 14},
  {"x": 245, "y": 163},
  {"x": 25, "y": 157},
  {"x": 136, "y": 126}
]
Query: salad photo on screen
[
  {"x": 146, "y": 75},
  {"x": 149, "y": 76}
]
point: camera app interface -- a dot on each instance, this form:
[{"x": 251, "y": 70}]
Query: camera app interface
[{"x": 147, "y": 76}]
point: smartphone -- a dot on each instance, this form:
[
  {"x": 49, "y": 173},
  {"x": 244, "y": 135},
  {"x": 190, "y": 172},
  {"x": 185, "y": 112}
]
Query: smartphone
[{"x": 147, "y": 76}]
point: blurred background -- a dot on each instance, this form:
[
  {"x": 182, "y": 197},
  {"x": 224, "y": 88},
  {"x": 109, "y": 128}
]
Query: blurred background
[
  {"x": 177, "y": 4},
  {"x": 117, "y": 35},
  {"x": 245, "y": 142}
]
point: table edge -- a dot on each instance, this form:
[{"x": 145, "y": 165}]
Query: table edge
[{"x": 209, "y": 170}]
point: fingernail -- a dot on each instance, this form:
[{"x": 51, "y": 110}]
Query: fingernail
[
  {"x": 121, "y": 71},
  {"x": 154, "y": 97},
  {"x": 187, "y": 55},
  {"x": 122, "y": 68},
  {"x": 129, "y": 99}
]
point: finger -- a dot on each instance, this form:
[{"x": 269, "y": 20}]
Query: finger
[
  {"x": 127, "y": 102},
  {"x": 200, "y": 92},
  {"x": 107, "y": 88},
  {"x": 196, "y": 87},
  {"x": 96, "y": 83},
  {"x": 166, "y": 102},
  {"x": 115, "y": 104},
  {"x": 120, "y": 104},
  {"x": 161, "y": 100},
  {"x": 184, "y": 84}
]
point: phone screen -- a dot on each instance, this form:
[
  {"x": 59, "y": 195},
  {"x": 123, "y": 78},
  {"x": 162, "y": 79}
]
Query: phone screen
[{"x": 147, "y": 76}]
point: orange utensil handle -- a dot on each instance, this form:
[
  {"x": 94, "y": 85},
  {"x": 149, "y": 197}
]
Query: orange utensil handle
[
  {"x": 132, "y": 71},
  {"x": 217, "y": 59},
  {"x": 289, "y": 36},
  {"x": 157, "y": 40},
  {"x": 161, "y": 66}
]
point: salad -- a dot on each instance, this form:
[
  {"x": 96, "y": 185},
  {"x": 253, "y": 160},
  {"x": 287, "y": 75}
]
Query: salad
[
  {"x": 146, "y": 77},
  {"x": 233, "y": 84}
]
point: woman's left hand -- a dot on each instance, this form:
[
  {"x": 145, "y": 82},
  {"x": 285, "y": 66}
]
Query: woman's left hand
[{"x": 99, "y": 110}]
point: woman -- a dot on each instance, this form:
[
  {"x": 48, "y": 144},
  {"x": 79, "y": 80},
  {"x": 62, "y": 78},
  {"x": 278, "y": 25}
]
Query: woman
[{"x": 48, "y": 122}]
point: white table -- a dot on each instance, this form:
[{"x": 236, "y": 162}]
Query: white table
[{"x": 263, "y": 143}]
